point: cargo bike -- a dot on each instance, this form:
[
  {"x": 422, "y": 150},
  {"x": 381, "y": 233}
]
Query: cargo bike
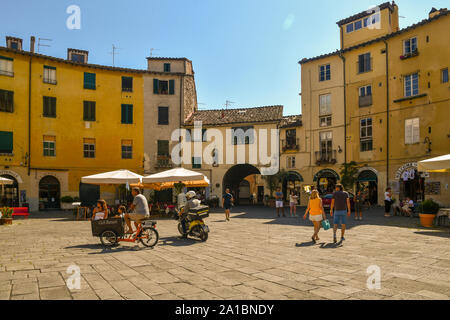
[{"x": 111, "y": 231}]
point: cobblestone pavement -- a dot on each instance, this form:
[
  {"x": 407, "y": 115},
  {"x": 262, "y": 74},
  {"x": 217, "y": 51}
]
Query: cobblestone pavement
[{"x": 254, "y": 256}]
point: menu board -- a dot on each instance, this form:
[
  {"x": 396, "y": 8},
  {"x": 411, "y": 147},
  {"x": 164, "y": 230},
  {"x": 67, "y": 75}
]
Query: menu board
[{"x": 432, "y": 188}]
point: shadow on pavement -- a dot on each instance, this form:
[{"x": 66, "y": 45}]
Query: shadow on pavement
[
  {"x": 106, "y": 250},
  {"x": 305, "y": 244},
  {"x": 177, "y": 242},
  {"x": 373, "y": 217},
  {"x": 437, "y": 233}
]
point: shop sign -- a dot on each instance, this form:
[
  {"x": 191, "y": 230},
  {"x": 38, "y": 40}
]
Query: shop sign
[{"x": 409, "y": 167}]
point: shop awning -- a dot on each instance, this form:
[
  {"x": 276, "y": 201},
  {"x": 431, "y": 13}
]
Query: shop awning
[
  {"x": 113, "y": 177},
  {"x": 6, "y": 181},
  {"x": 438, "y": 164}
]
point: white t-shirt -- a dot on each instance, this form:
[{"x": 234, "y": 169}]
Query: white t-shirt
[
  {"x": 386, "y": 196},
  {"x": 292, "y": 199}
]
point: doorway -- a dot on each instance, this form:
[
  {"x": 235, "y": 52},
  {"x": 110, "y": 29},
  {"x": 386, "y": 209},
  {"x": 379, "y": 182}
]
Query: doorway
[
  {"x": 49, "y": 193},
  {"x": 9, "y": 193}
]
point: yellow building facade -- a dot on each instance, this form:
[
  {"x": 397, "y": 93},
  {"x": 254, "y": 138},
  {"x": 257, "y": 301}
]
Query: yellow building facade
[
  {"x": 64, "y": 119},
  {"x": 395, "y": 97}
]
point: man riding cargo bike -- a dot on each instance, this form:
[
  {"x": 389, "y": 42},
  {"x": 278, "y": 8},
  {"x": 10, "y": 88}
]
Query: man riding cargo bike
[{"x": 191, "y": 216}]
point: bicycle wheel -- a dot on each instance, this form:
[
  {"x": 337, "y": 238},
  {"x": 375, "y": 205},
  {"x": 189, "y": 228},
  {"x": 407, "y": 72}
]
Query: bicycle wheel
[
  {"x": 149, "y": 237},
  {"x": 109, "y": 238}
]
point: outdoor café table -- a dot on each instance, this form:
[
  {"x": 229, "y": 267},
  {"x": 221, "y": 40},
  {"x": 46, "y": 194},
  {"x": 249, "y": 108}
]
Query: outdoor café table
[{"x": 443, "y": 212}]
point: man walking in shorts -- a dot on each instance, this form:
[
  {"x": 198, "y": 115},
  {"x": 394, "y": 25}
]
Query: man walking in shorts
[
  {"x": 341, "y": 204},
  {"x": 140, "y": 206},
  {"x": 279, "y": 202}
]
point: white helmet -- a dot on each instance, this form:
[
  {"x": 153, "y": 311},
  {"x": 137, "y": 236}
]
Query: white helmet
[{"x": 190, "y": 194}]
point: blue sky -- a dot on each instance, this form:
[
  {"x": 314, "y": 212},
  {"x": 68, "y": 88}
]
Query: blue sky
[{"x": 245, "y": 51}]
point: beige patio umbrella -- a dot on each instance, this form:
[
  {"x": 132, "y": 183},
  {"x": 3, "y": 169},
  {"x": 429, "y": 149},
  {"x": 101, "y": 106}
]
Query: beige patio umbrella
[
  {"x": 113, "y": 178},
  {"x": 438, "y": 164},
  {"x": 6, "y": 181}
]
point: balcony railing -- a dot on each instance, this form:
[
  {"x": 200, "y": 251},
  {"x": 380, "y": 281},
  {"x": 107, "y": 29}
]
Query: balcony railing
[
  {"x": 290, "y": 145},
  {"x": 163, "y": 162},
  {"x": 409, "y": 55},
  {"x": 365, "y": 101},
  {"x": 324, "y": 158},
  {"x": 50, "y": 81},
  {"x": 7, "y": 73}
]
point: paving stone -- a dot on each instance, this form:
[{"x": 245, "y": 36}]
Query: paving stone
[
  {"x": 55, "y": 293},
  {"x": 254, "y": 256}
]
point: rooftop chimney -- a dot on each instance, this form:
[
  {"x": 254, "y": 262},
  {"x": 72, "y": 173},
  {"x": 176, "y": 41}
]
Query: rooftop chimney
[
  {"x": 76, "y": 55},
  {"x": 32, "y": 42},
  {"x": 435, "y": 12},
  {"x": 13, "y": 43}
]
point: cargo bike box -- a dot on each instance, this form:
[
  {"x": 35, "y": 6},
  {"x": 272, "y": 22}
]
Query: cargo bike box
[
  {"x": 199, "y": 211},
  {"x": 111, "y": 224}
]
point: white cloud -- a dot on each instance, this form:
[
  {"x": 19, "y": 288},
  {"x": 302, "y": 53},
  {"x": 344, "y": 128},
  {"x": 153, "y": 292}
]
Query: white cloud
[{"x": 288, "y": 22}]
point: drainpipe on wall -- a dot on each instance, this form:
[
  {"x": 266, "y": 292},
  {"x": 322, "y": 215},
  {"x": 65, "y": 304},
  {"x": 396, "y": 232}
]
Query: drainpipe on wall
[
  {"x": 29, "y": 106},
  {"x": 387, "y": 113},
  {"x": 345, "y": 106}
]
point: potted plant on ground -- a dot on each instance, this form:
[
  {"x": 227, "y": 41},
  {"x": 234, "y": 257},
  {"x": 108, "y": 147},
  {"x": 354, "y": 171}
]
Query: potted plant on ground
[
  {"x": 66, "y": 202},
  {"x": 6, "y": 215},
  {"x": 428, "y": 210}
]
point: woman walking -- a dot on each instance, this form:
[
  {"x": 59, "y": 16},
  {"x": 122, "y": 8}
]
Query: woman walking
[
  {"x": 387, "y": 202},
  {"x": 293, "y": 203},
  {"x": 316, "y": 213}
]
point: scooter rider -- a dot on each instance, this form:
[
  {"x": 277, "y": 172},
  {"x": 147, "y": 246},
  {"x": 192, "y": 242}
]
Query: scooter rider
[{"x": 191, "y": 203}]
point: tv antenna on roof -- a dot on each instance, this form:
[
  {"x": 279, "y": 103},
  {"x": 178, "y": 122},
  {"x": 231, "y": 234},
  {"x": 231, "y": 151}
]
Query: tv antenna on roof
[
  {"x": 228, "y": 103},
  {"x": 151, "y": 51},
  {"x": 114, "y": 48},
  {"x": 43, "y": 45}
]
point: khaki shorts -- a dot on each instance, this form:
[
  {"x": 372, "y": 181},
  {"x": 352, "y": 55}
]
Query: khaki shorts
[{"x": 137, "y": 217}]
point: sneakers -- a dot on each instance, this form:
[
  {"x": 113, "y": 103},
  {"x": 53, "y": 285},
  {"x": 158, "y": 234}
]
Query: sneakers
[
  {"x": 334, "y": 239},
  {"x": 342, "y": 239}
]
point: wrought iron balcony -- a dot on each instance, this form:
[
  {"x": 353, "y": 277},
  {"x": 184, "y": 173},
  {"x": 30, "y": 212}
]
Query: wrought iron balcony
[
  {"x": 163, "y": 162},
  {"x": 325, "y": 158},
  {"x": 365, "y": 101},
  {"x": 290, "y": 145}
]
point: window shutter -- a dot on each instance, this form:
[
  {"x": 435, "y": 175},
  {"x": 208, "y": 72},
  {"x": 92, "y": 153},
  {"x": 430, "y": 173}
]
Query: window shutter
[
  {"x": 415, "y": 131},
  {"x": 53, "y": 106},
  {"x": 171, "y": 86},
  {"x": 361, "y": 63},
  {"x": 6, "y": 142},
  {"x": 408, "y": 132},
  {"x": 155, "y": 86},
  {"x": 124, "y": 114},
  {"x": 130, "y": 113}
]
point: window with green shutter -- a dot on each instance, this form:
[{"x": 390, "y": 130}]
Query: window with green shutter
[
  {"x": 49, "y": 107},
  {"x": 163, "y": 86},
  {"x": 163, "y": 148},
  {"x": 196, "y": 162},
  {"x": 89, "y": 80},
  {"x": 6, "y": 142},
  {"x": 171, "y": 86},
  {"x": 127, "y": 84},
  {"x": 49, "y": 148},
  {"x": 163, "y": 115},
  {"x": 127, "y": 113},
  {"x": 6, "y": 101},
  {"x": 166, "y": 67},
  {"x": 89, "y": 110}
]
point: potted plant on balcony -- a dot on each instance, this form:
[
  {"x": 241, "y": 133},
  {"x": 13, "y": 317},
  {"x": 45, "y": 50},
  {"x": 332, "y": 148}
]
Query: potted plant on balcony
[
  {"x": 428, "y": 210},
  {"x": 66, "y": 202},
  {"x": 6, "y": 215}
]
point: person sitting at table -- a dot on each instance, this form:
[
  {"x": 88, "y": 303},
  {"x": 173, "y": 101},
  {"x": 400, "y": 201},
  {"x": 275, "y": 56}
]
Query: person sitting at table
[
  {"x": 407, "y": 207},
  {"x": 101, "y": 211}
]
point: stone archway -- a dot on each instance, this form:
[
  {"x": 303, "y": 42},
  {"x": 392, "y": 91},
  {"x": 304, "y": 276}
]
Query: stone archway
[
  {"x": 234, "y": 176},
  {"x": 9, "y": 193}
]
